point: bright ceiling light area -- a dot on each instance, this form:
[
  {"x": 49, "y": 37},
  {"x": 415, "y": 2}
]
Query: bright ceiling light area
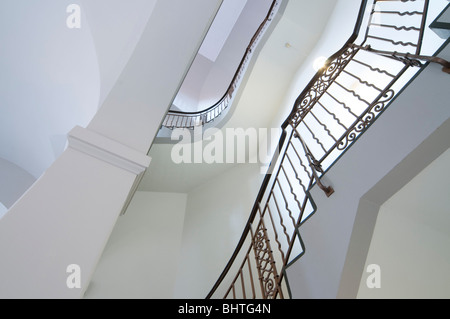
[{"x": 319, "y": 63}]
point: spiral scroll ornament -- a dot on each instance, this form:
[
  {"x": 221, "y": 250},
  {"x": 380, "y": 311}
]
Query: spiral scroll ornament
[{"x": 366, "y": 119}]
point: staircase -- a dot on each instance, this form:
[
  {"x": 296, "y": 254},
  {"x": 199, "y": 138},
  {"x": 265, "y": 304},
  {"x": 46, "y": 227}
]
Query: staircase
[{"x": 346, "y": 96}]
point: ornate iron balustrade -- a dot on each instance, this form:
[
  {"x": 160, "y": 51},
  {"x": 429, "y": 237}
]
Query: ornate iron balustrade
[
  {"x": 180, "y": 119},
  {"x": 338, "y": 105}
]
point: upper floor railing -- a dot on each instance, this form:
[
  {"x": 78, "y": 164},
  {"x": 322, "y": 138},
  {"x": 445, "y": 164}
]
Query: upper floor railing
[
  {"x": 342, "y": 100},
  {"x": 180, "y": 119}
]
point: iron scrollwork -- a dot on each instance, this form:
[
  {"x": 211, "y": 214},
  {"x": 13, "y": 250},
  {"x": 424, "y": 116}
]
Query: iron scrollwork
[
  {"x": 376, "y": 107},
  {"x": 265, "y": 263},
  {"x": 326, "y": 77}
]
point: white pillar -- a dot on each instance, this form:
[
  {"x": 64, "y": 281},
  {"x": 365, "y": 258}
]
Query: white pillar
[
  {"x": 66, "y": 217},
  {"x": 155, "y": 71}
]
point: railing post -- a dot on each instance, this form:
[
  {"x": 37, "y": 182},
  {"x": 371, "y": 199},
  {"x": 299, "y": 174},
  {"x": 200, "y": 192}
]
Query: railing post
[{"x": 314, "y": 164}]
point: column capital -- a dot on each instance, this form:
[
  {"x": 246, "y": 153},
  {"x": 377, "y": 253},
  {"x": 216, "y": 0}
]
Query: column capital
[{"x": 108, "y": 150}]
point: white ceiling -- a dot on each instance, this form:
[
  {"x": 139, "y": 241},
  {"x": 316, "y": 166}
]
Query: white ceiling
[{"x": 53, "y": 78}]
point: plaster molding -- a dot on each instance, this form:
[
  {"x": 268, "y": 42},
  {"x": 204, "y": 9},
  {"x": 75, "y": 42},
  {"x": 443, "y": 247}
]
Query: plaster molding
[{"x": 108, "y": 150}]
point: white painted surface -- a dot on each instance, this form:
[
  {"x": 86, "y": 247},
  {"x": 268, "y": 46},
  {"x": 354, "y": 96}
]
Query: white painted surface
[
  {"x": 49, "y": 81},
  {"x": 108, "y": 150},
  {"x": 216, "y": 215},
  {"x": 65, "y": 218},
  {"x": 116, "y": 27},
  {"x": 170, "y": 245},
  {"x": 185, "y": 231},
  {"x": 411, "y": 238},
  {"x": 54, "y": 78},
  {"x": 133, "y": 111},
  {"x": 143, "y": 252}
]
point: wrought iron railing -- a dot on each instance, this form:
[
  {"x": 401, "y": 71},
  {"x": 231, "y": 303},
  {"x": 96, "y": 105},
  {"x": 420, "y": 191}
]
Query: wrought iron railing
[
  {"x": 338, "y": 105},
  {"x": 181, "y": 119}
]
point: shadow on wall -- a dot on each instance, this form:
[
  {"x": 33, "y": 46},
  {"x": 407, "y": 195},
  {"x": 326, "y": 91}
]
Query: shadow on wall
[{"x": 14, "y": 182}]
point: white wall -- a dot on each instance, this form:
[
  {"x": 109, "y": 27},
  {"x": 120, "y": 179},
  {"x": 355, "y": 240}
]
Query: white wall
[
  {"x": 216, "y": 214},
  {"x": 142, "y": 254},
  {"x": 411, "y": 238},
  {"x": 174, "y": 245},
  {"x": 64, "y": 219},
  {"x": 49, "y": 81}
]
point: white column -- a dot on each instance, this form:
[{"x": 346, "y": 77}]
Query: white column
[{"x": 67, "y": 217}]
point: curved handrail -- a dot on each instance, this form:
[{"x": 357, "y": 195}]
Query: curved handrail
[
  {"x": 181, "y": 119},
  {"x": 263, "y": 189}
]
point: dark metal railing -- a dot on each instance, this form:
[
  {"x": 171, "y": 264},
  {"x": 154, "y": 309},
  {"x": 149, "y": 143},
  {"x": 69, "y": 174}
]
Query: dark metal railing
[
  {"x": 338, "y": 105},
  {"x": 180, "y": 119}
]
